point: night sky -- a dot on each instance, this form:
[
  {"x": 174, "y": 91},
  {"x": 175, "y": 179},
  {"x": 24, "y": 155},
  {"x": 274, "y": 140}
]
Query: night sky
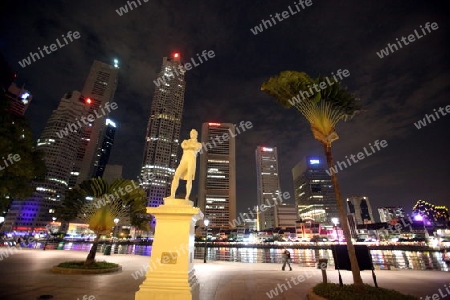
[{"x": 396, "y": 91}]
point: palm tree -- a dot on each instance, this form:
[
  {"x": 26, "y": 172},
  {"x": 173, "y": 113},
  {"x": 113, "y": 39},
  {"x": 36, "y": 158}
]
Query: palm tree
[
  {"x": 122, "y": 199},
  {"x": 323, "y": 109}
]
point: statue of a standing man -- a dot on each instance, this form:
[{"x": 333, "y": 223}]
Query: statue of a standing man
[{"x": 186, "y": 168}]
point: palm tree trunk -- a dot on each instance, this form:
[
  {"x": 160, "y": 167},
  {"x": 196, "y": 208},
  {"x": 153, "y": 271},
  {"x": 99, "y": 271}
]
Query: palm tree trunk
[
  {"x": 357, "y": 280},
  {"x": 90, "y": 259}
]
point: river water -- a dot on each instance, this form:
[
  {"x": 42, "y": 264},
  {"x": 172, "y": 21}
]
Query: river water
[{"x": 384, "y": 259}]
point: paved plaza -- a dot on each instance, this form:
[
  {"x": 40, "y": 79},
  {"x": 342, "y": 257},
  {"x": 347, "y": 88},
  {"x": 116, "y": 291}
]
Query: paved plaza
[{"x": 25, "y": 275}]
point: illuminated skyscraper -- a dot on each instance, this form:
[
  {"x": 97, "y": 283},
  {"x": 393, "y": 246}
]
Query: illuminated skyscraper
[
  {"x": 104, "y": 149},
  {"x": 267, "y": 186},
  {"x": 314, "y": 191},
  {"x": 112, "y": 172},
  {"x": 99, "y": 88},
  {"x": 362, "y": 210},
  {"x": 217, "y": 178},
  {"x": 59, "y": 142},
  {"x": 20, "y": 99},
  {"x": 163, "y": 132}
]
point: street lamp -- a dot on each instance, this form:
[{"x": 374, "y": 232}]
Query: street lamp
[
  {"x": 206, "y": 222},
  {"x": 335, "y": 222}
]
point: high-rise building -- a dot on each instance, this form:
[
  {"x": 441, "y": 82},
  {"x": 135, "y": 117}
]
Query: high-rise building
[
  {"x": 314, "y": 191},
  {"x": 267, "y": 186},
  {"x": 59, "y": 142},
  {"x": 20, "y": 99},
  {"x": 163, "y": 132},
  {"x": 69, "y": 142},
  {"x": 99, "y": 89},
  {"x": 217, "y": 174},
  {"x": 287, "y": 215},
  {"x": 112, "y": 172},
  {"x": 104, "y": 149},
  {"x": 361, "y": 208},
  {"x": 389, "y": 213}
]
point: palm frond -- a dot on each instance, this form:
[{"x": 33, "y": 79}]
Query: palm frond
[{"x": 323, "y": 108}]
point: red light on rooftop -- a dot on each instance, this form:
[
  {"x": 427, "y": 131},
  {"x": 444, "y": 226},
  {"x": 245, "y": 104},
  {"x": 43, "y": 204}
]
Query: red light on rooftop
[
  {"x": 88, "y": 101},
  {"x": 214, "y": 124},
  {"x": 176, "y": 55}
]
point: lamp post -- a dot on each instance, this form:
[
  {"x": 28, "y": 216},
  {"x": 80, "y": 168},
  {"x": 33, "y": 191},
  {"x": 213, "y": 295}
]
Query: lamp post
[
  {"x": 335, "y": 222},
  {"x": 206, "y": 222}
]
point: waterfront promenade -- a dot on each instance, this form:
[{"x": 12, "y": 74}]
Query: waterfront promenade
[{"x": 25, "y": 275}]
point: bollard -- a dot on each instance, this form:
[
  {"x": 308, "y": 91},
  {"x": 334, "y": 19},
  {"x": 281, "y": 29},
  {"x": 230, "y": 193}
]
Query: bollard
[
  {"x": 322, "y": 265},
  {"x": 107, "y": 250},
  {"x": 61, "y": 246}
]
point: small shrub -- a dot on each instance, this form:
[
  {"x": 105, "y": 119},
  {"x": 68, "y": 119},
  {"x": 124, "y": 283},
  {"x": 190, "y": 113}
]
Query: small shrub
[
  {"x": 333, "y": 291},
  {"x": 80, "y": 265}
]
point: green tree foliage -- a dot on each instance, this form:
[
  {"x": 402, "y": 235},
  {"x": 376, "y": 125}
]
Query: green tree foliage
[{"x": 16, "y": 138}]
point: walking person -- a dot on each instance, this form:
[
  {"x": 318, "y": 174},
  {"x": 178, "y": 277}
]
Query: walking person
[
  {"x": 286, "y": 259},
  {"x": 445, "y": 258},
  {"x": 19, "y": 242}
]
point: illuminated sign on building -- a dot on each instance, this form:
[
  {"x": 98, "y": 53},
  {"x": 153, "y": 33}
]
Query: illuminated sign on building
[
  {"x": 267, "y": 149},
  {"x": 314, "y": 161}
]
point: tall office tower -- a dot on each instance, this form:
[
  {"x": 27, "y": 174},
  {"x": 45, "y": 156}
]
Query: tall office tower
[
  {"x": 314, "y": 191},
  {"x": 267, "y": 186},
  {"x": 361, "y": 208},
  {"x": 99, "y": 88},
  {"x": 20, "y": 99},
  {"x": 103, "y": 152},
  {"x": 163, "y": 132},
  {"x": 389, "y": 213},
  {"x": 59, "y": 142},
  {"x": 287, "y": 215},
  {"x": 217, "y": 178},
  {"x": 112, "y": 172}
]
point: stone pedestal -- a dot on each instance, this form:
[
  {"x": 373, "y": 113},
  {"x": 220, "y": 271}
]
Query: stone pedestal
[{"x": 170, "y": 274}]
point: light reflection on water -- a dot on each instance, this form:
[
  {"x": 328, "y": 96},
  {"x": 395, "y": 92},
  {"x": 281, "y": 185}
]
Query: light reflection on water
[{"x": 416, "y": 260}]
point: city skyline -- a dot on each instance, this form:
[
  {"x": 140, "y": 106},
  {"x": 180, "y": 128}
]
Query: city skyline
[{"x": 396, "y": 92}]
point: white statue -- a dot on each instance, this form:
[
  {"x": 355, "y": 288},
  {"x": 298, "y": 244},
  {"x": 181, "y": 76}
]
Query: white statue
[{"x": 186, "y": 169}]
